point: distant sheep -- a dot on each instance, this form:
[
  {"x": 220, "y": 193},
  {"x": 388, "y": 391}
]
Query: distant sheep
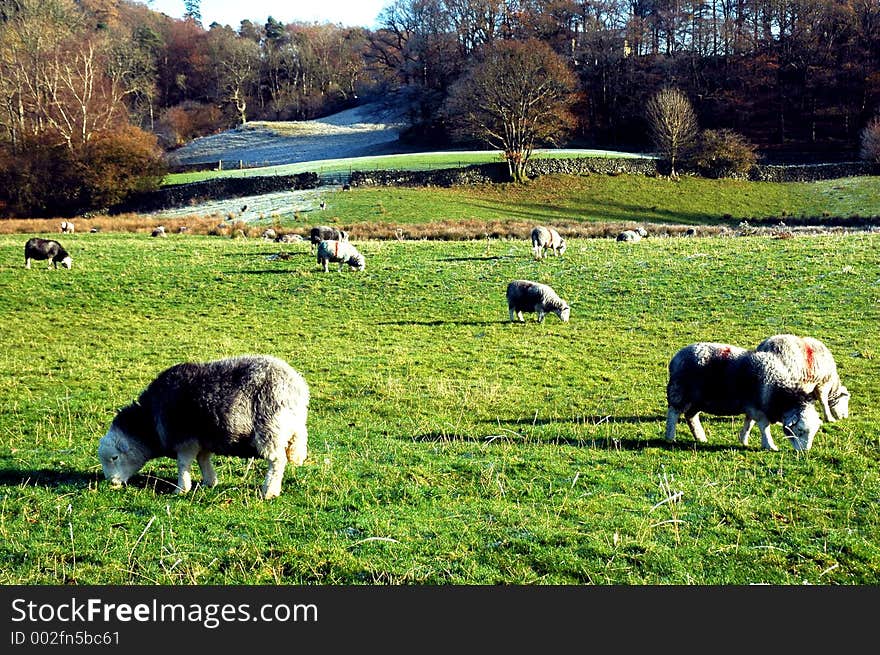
[
  {"x": 159, "y": 231},
  {"x": 726, "y": 380},
  {"x": 269, "y": 234},
  {"x": 812, "y": 365},
  {"x": 288, "y": 238},
  {"x": 67, "y": 227},
  {"x": 341, "y": 252},
  {"x": 527, "y": 296},
  {"x": 39, "y": 249},
  {"x": 546, "y": 238},
  {"x": 246, "y": 406},
  {"x": 326, "y": 233},
  {"x": 633, "y": 235}
]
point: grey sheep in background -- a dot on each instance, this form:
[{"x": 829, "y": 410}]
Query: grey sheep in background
[
  {"x": 67, "y": 227},
  {"x": 341, "y": 252},
  {"x": 633, "y": 236},
  {"x": 288, "y": 238},
  {"x": 812, "y": 365},
  {"x": 527, "y": 296},
  {"x": 245, "y": 406},
  {"x": 50, "y": 249},
  {"x": 269, "y": 234},
  {"x": 321, "y": 233},
  {"x": 546, "y": 238},
  {"x": 726, "y": 380}
]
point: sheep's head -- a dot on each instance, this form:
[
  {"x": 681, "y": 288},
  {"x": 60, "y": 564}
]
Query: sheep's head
[
  {"x": 357, "y": 262},
  {"x": 564, "y": 313},
  {"x": 120, "y": 456},
  {"x": 562, "y": 247},
  {"x": 840, "y": 403},
  {"x": 800, "y": 425},
  {"x": 67, "y": 262}
]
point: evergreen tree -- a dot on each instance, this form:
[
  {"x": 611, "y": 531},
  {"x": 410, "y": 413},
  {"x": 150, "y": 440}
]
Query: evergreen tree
[{"x": 193, "y": 10}]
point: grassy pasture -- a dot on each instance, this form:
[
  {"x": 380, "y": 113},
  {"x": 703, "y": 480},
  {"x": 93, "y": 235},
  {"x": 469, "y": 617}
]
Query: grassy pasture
[{"x": 447, "y": 446}]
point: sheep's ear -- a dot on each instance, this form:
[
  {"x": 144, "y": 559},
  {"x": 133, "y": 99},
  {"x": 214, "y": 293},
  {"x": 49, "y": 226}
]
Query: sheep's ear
[{"x": 122, "y": 445}]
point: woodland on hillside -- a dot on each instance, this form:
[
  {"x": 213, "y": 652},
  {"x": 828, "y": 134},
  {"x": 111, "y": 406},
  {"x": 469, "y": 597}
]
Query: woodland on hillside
[{"x": 800, "y": 79}]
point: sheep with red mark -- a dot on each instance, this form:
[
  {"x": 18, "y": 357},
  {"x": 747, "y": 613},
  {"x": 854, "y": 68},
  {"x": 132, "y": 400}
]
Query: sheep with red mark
[
  {"x": 341, "y": 252},
  {"x": 246, "y": 406},
  {"x": 726, "y": 380},
  {"x": 812, "y": 365}
]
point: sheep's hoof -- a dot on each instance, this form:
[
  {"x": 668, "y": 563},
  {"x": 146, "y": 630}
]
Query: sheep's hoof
[{"x": 116, "y": 484}]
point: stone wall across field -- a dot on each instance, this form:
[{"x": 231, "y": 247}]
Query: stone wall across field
[
  {"x": 182, "y": 195},
  {"x": 811, "y": 172}
]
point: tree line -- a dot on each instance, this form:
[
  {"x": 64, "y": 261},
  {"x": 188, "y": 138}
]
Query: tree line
[{"x": 94, "y": 90}]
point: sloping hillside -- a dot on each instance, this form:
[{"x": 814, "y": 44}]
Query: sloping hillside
[{"x": 365, "y": 130}]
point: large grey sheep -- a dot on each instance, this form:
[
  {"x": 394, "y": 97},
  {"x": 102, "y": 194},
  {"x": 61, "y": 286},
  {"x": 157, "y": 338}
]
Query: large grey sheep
[
  {"x": 528, "y": 296},
  {"x": 726, "y": 380},
  {"x": 321, "y": 233},
  {"x": 546, "y": 238},
  {"x": 341, "y": 252},
  {"x": 812, "y": 365},
  {"x": 246, "y": 406},
  {"x": 50, "y": 249}
]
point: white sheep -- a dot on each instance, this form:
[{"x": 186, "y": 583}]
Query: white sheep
[
  {"x": 341, "y": 252},
  {"x": 269, "y": 234},
  {"x": 546, "y": 238},
  {"x": 726, "y": 380},
  {"x": 812, "y": 365},
  {"x": 67, "y": 227},
  {"x": 633, "y": 236},
  {"x": 246, "y": 406},
  {"x": 528, "y": 296}
]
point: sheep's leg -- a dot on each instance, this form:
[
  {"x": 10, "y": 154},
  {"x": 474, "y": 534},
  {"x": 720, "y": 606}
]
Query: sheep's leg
[
  {"x": 746, "y": 428},
  {"x": 541, "y": 315},
  {"x": 27, "y": 262},
  {"x": 297, "y": 447},
  {"x": 185, "y": 456},
  {"x": 671, "y": 421},
  {"x": 824, "y": 392},
  {"x": 277, "y": 463},
  {"x": 209, "y": 475},
  {"x": 696, "y": 427},
  {"x": 766, "y": 439},
  {"x": 512, "y": 314}
]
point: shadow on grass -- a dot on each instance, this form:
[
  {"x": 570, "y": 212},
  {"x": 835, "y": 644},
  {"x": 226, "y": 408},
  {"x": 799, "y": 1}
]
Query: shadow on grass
[
  {"x": 441, "y": 322},
  {"x": 48, "y": 478},
  {"x": 490, "y": 258},
  {"x": 599, "y": 444}
]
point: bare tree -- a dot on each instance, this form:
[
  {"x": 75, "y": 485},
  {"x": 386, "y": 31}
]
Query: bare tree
[
  {"x": 673, "y": 124},
  {"x": 870, "y": 146},
  {"x": 237, "y": 62},
  {"x": 517, "y": 96}
]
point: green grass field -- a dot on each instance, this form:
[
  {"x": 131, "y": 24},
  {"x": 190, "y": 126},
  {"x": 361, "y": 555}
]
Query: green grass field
[{"x": 447, "y": 446}]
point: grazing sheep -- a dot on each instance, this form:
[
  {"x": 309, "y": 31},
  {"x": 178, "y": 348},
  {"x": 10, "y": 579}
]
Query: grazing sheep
[
  {"x": 326, "y": 233},
  {"x": 633, "y": 236},
  {"x": 726, "y": 380},
  {"x": 269, "y": 234},
  {"x": 546, "y": 238},
  {"x": 812, "y": 365},
  {"x": 50, "y": 249},
  {"x": 182, "y": 229},
  {"x": 288, "y": 238},
  {"x": 527, "y": 296},
  {"x": 246, "y": 406},
  {"x": 95, "y": 230},
  {"x": 339, "y": 251},
  {"x": 159, "y": 232},
  {"x": 67, "y": 227},
  {"x": 691, "y": 232}
]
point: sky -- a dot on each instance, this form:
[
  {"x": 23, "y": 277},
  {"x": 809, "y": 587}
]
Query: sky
[{"x": 231, "y": 12}]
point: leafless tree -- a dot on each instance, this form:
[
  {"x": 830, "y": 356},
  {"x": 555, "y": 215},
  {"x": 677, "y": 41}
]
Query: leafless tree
[
  {"x": 870, "y": 147},
  {"x": 517, "y": 96},
  {"x": 673, "y": 124}
]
